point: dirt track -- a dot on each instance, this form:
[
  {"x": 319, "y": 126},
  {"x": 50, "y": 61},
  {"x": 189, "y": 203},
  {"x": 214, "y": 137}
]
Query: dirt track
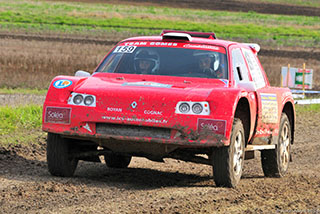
[{"x": 149, "y": 187}]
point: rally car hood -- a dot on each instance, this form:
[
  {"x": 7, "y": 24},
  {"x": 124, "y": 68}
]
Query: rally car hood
[
  {"x": 151, "y": 97},
  {"x": 149, "y": 87}
]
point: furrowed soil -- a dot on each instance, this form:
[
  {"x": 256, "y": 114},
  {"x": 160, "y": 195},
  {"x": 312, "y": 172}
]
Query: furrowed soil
[
  {"x": 150, "y": 187},
  {"x": 226, "y": 5},
  {"x": 32, "y": 60}
]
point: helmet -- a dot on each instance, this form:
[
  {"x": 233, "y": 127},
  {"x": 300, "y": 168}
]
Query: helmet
[
  {"x": 150, "y": 56},
  {"x": 200, "y": 54}
]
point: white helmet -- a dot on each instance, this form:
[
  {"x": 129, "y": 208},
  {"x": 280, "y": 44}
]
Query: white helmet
[
  {"x": 147, "y": 55},
  {"x": 213, "y": 55}
]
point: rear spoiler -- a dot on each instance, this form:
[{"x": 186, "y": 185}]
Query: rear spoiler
[{"x": 254, "y": 47}]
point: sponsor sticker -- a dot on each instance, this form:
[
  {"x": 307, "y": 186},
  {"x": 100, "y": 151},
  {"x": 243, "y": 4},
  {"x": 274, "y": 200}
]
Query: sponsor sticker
[
  {"x": 264, "y": 132},
  {"x": 147, "y": 84},
  {"x": 62, "y": 83},
  {"x": 129, "y": 46},
  {"x": 57, "y": 115},
  {"x": 114, "y": 109},
  {"x": 214, "y": 126},
  {"x": 152, "y": 112},
  {"x": 226, "y": 82},
  {"x": 269, "y": 108},
  {"x": 130, "y": 119},
  {"x": 87, "y": 127}
]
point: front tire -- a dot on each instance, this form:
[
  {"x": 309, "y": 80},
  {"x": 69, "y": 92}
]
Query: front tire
[
  {"x": 60, "y": 162},
  {"x": 228, "y": 161},
  {"x": 275, "y": 162},
  {"x": 117, "y": 161}
]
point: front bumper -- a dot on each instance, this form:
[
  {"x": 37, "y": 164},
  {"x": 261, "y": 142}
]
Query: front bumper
[{"x": 95, "y": 126}]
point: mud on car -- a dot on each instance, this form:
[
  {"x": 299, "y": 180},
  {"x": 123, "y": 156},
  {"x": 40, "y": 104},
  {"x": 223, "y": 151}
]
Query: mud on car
[{"x": 182, "y": 95}]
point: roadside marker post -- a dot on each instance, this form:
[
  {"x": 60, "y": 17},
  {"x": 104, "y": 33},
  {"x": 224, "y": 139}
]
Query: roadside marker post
[
  {"x": 303, "y": 77},
  {"x": 288, "y": 74}
]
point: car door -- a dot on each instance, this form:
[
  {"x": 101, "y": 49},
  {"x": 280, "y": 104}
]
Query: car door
[
  {"x": 242, "y": 79},
  {"x": 269, "y": 99}
]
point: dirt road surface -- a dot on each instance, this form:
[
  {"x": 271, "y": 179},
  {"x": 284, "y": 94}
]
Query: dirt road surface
[{"x": 150, "y": 187}]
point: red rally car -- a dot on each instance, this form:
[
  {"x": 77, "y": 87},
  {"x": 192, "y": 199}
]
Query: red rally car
[{"x": 181, "y": 95}]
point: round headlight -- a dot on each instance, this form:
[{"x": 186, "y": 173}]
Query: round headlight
[
  {"x": 88, "y": 100},
  {"x": 78, "y": 99},
  {"x": 184, "y": 108},
  {"x": 197, "y": 108}
]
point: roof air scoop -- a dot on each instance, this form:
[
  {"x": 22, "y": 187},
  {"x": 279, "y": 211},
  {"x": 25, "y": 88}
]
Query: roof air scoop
[{"x": 177, "y": 36}]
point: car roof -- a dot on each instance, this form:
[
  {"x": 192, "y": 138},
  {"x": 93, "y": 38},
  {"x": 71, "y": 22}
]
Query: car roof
[{"x": 197, "y": 40}]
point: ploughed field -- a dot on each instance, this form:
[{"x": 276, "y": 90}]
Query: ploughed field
[
  {"x": 306, "y": 8},
  {"x": 30, "y": 60},
  {"x": 149, "y": 187}
]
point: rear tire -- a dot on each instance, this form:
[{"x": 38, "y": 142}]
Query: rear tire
[
  {"x": 117, "y": 161},
  {"x": 275, "y": 162},
  {"x": 60, "y": 163},
  {"x": 228, "y": 161}
]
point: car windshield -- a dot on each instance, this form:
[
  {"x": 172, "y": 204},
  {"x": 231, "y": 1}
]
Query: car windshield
[{"x": 175, "y": 59}]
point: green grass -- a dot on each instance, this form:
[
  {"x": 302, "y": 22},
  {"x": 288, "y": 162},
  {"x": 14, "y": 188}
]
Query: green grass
[
  {"x": 23, "y": 117},
  {"x": 77, "y": 17},
  {"x": 23, "y": 91},
  {"x": 307, "y": 108},
  {"x": 20, "y": 125}
]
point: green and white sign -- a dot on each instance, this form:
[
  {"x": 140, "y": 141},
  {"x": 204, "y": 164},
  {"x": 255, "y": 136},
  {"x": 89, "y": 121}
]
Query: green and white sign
[{"x": 294, "y": 79}]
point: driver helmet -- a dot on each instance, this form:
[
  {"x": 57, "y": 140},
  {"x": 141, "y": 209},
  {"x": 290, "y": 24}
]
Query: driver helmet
[
  {"x": 201, "y": 54},
  {"x": 149, "y": 56}
]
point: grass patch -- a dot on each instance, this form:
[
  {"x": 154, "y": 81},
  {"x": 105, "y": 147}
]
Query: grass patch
[
  {"x": 20, "y": 125},
  {"x": 17, "y": 118},
  {"x": 307, "y": 108},
  {"x": 142, "y": 20},
  {"x": 23, "y": 91}
]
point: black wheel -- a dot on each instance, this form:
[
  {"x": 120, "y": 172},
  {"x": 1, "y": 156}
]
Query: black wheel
[
  {"x": 117, "y": 161},
  {"x": 58, "y": 156},
  {"x": 275, "y": 162},
  {"x": 228, "y": 161}
]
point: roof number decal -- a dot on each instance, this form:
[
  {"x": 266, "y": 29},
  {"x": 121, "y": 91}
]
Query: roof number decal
[{"x": 124, "y": 49}]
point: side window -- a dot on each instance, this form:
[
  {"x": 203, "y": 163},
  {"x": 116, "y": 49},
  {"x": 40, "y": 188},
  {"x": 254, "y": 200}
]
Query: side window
[
  {"x": 254, "y": 67},
  {"x": 240, "y": 71}
]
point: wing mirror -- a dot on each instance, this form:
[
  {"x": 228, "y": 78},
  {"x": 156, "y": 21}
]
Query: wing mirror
[
  {"x": 249, "y": 86},
  {"x": 81, "y": 73}
]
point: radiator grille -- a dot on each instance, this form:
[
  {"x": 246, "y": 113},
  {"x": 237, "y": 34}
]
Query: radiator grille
[{"x": 132, "y": 131}]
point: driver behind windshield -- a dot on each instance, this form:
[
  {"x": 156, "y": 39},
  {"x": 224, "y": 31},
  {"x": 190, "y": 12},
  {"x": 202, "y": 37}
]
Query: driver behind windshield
[
  {"x": 206, "y": 62},
  {"x": 146, "y": 62}
]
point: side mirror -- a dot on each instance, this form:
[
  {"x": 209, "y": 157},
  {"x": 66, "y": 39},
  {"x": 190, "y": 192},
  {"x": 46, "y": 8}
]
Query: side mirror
[
  {"x": 249, "y": 86},
  {"x": 82, "y": 74}
]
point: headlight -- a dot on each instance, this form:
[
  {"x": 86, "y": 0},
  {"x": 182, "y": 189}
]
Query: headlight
[
  {"x": 88, "y": 100},
  {"x": 77, "y": 99},
  {"x": 193, "y": 108},
  {"x": 82, "y": 100},
  {"x": 197, "y": 108},
  {"x": 184, "y": 108}
]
